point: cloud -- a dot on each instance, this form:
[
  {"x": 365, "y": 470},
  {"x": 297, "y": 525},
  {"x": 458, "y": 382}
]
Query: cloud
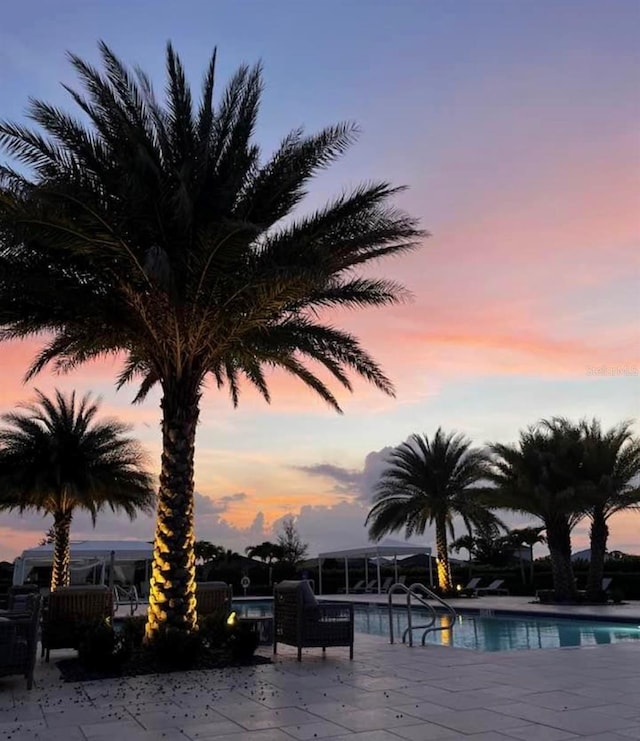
[
  {"x": 237, "y": 497},
  {"x": 351, "y": 482},
  {"x": 18, "y": 532},
  {"x": 346, "y": 481},
  {"x": 206, "y": 505}
]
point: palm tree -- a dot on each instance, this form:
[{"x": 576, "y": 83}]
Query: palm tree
[
  {"x": 464, "y": 542},
  {"x": 205, "y": 551},
  {"x": 611, "y": 470},
  {"x": 541, "y": 477},
  {"x": 267, "y": 552},
  {"x": 429, "y": 482},
  {"x": 55, "y": 457},
  {"x": 157, "y": 231},
  {"x": 527, "y": 536}
]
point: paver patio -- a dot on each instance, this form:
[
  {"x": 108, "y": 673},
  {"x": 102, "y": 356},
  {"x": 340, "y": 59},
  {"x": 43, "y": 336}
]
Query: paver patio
[{"x": 387, "y": 693}]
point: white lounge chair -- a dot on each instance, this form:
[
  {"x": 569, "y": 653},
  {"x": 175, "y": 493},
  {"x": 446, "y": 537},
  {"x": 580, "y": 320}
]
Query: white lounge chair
[
  {"x": 471, "y": 589},
  {"x": 494, "y": 588},
  {"x": 386, "y": 584}
]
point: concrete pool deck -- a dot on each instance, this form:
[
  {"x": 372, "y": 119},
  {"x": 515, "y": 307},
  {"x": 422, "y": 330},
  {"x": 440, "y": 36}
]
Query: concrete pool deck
[
  {"x": 386, "y": 693},
  {"x": 628, "y": 611}
]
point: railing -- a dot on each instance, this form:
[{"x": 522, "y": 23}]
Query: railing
[
  {"x": 125, "y": 596},
  {"x": 413, "y": 591}
]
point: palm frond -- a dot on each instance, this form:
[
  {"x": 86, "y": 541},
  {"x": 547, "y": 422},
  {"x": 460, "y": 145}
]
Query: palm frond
[
  {"x": 429, "y": 479},
  {"x": 158, "y": 219}
]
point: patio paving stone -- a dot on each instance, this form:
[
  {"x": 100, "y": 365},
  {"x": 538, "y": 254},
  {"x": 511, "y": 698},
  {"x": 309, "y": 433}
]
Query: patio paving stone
[{"x": 387, "y": 693}]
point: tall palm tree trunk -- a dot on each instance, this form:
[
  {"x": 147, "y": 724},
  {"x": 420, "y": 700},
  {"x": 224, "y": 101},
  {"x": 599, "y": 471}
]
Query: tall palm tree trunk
[
  {"x": 559, "y": 541},
  {"x": 599, "y": 535},
  {"x": 445, "y": 581},
  {"x": 172, "y": 598},
  {"x": 60, "y": 572}
]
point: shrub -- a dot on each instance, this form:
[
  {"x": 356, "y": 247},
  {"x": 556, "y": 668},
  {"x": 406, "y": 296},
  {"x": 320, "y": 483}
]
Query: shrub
[
  {"x": 545, "y": 596},
  {"x": 100, "y": 648},
  {"x": 173, "y": 649},
  {"x": 617, "y": 595},
  {"x": 243, "y": 641},
  {"x": 213, "y": 629},
  {"x": 596, "y": 596},
  {"x": 132, "y": 631}
]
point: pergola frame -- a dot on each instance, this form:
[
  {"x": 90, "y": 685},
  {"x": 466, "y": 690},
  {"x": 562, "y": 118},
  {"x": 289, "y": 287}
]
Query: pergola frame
[
  {"x": 377, "y": 551},
  {"x": 92, "y": 552}
]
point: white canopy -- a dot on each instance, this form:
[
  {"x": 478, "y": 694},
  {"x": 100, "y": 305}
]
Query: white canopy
[
  {"x": 382, "y": 549},
  {"x": 378, "y": 550},
  {"x": 102, "y": 551}
]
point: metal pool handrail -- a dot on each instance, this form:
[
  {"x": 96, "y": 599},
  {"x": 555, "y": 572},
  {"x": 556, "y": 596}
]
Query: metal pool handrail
[
  {"x": 125, "y": 595},
  {"x": 451, "y": 613},
  {"x": 413, "y": 592}
]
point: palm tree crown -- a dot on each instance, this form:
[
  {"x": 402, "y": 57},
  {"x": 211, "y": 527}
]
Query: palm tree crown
[
  {"x": 159, "y": 232},
  {"x": 542, "y": 476},
  {"x": 56, "y": 457},
  {"x": 165, "y": 220},
  {"x": 429, "y": 482},
  {"x": 611, "y": 472}
]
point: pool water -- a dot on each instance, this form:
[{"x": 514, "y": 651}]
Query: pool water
[{"x": 480, "y": 632}]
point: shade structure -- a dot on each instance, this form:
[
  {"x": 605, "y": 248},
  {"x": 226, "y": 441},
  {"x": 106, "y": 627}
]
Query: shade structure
[
  {"x": 383, "y": 549},
  {"x": 82, "y": 552}
]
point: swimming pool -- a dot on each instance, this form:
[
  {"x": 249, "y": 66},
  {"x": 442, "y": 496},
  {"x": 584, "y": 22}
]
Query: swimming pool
[{"x": 481, "y": 632}]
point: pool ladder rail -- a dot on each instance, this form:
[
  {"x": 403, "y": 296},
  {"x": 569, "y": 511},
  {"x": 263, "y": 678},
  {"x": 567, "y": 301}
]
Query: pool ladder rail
[
  {"x": 125, "y": 595},
  {"x": 418, "y": 592}
]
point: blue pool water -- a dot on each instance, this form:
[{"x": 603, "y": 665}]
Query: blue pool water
[{"x": 481, "y": 632}]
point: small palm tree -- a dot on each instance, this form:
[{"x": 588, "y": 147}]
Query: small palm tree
[
  {"x": 157, "y": 231},
  {"x": 55, "y": 457},
  {"x": 205, "y": 551},
  {"x": 429, "y": 482},
  {"x": 541, "y": 476},
  {"x": 267, "y": 552},
  {"x": 530, "y": 537},
  {"x": 464, "y": 542},
  {"x": 611, "y": 471}
]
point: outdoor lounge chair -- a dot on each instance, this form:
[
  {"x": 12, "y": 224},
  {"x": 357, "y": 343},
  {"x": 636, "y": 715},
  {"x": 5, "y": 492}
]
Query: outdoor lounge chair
[
  {"x": 357, "y": 587},
  {"x": 213, "y": 597},
  {"x": 372, "y": 586},
  {"x": 300, "y": 620},
  {"x": 606, "y": 583},
  {"x": 494, "y": 588},
  {"x": 19, "y": 640},
  {"x": 68, "y": 609},
  {"x": 471, "y": 588},
  {"x": 386, "y": 584}
]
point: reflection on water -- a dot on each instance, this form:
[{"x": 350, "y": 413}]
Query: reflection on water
[
  {"x": 446, "y": 633},
  {"x": 479, "y": 632},
  {"x": 499, "y": 633},
  {"x": 254, "y": 608}
]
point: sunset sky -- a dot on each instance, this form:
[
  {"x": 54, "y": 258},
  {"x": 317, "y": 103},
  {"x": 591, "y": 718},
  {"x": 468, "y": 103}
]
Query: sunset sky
[{"x": 515, "y": 126}]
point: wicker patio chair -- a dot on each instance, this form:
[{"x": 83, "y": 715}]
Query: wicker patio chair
[
  {"x": 19, "y": 599},
  {"x": 300, "y": 620},
  {"x": 213, "y": 597},
  {"x": 68, "y": 609},
  {"x": 19, "y": 641}
]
